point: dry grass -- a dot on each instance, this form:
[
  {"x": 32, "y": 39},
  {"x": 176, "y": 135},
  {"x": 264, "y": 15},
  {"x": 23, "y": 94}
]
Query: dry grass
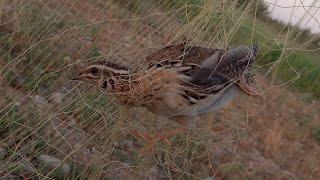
[{"x": 43, "y": 112}]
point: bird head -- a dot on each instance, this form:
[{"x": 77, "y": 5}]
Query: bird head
[{"x": 102, "y": 74}]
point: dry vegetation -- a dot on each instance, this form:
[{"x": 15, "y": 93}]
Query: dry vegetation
[{"x": 42, "y": 112}]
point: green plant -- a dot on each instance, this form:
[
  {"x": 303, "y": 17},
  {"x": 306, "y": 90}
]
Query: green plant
[
  {"x": 274, "y": 54},
  {"x": 317, "y": 134}
]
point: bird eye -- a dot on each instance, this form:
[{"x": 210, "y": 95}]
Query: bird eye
[
  {"x": 105, "y": 84},
  {"x": 94, "y": 70},
  {"x": 111, "y": 81}
]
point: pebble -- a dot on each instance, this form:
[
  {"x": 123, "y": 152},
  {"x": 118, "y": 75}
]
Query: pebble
[
  {"x": 18, "y": 103},
  {"x": 51, "y": 162},
  {"x": 88, "y": 38},
  {"x": 57, "y": 97},
  {"x": 72, "y": 122},
  {"x": 67, "y": 58},
  {"x": 209, "y": 178},
  {"x": 25, "y": 167},
  {"x": 40, "y": 100},
  {"x": 3, "y": 153},
  {"x": 129, "y": 144},
  {"x": 11, "y": 177}
]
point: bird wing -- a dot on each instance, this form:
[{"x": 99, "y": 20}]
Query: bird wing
[
  {"x": 228, "y": 68},
  {"x": 182, "y": 51},
  {"x": 211, "y": 61},
  {"x": 210, "y": 76},
  {"x": 218, "y": 80},
  {"x": 188, "y": 58}
]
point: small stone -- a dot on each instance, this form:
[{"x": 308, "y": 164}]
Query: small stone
[
  {"x": 300, "y": 146},
  {"x": 46, "y": 18},
  {"x": 57, "y": 98},
  {"x": 24, "y": 167},
  {"x": 11, "y": 177},
  {"x": 67, "y": 58},
  {"x": 73, "y": 122},
  {"x": 209, "y": 178},
  {"x": 154, "y": 173},
  {"x": 40, "y": 100},
  {"x": 51, "y": 162},
  {"x": 43, "y": 89},
  {"x": 88, "y": 38},
  {"x": 3, "y": 153},
  {"x": 129, "y": 143},
  {"x": 125, "y": 164},
  {"x": 18, "y": 103}
]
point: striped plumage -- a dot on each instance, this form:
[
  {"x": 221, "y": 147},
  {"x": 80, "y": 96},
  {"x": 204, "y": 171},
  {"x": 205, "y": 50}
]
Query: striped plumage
[{"x": 179, "y": 81}]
